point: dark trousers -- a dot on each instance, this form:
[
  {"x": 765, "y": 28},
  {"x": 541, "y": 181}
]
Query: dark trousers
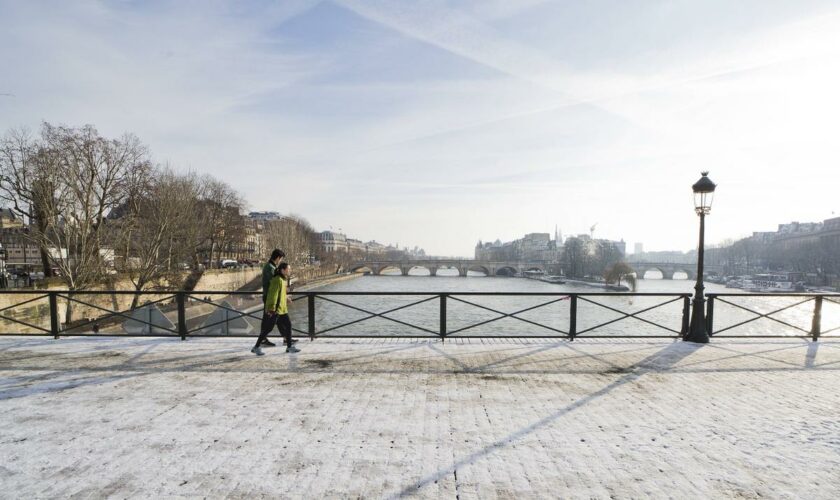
[{"x": 283, "y": 323}]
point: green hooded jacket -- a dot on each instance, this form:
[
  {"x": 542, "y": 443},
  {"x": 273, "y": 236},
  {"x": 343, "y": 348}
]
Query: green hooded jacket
[{"x": 276, "y": 300}]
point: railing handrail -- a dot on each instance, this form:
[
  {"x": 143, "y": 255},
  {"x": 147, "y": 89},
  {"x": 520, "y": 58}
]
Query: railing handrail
[
  {"x": 773, "y": 294},
  {"x": 361, "y": 293},
  {"x": 46, "y": 291}
]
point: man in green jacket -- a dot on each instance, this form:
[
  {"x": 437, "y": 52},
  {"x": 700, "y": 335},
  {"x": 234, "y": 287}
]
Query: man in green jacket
[{"x": 268, "y": 272}]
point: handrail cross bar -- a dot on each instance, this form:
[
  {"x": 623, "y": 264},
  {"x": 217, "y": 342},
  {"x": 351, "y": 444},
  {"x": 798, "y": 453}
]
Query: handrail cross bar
[
  {"x": 45, "y": 296},
  {"x": 765, "y": 315},
  {"x": 379, "y": 315},
  {"x": 13, "y": 320},
  {"x": 504, "y": 315},
  {"x": 239, "y": 314},
  {"x": 115, "y": 313},
  {"x": 626, "y": 315}
]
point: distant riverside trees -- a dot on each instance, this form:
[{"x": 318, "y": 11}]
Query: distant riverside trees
[
  {"x": 817, "y": 257},
  {"x": 583, "y": 256},
  {"x": 295, "y": 235},
  {"x": 621, "y": 271}
]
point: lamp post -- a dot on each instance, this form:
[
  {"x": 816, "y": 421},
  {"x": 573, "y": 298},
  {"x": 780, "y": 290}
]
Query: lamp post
[{"x": 704, "y": 192}]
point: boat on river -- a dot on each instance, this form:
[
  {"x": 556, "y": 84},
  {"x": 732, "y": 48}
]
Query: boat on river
[
  {"x": 557, "y": 280},
  {"x": 774, "y": 283}
]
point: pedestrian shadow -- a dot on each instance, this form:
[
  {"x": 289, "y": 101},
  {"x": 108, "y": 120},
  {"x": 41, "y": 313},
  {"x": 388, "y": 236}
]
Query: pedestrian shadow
[
  {"x": 663, "y": 359},
  {"x": 811, "y": 356}
]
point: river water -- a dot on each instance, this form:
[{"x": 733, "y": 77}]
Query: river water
[{"x": 596, "y": 315}]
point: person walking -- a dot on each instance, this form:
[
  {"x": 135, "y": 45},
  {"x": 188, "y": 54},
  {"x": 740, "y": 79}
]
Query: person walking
[
  {"x": 268, "y": 272},
  {"x": 277, "y": 310}
]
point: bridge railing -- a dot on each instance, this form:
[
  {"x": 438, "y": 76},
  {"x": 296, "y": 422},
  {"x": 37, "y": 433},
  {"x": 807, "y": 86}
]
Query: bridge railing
[
  {"x": 805, "y": 315},
  {"x": 442, "y": 315},
  {"x": 314, "y": 314}
]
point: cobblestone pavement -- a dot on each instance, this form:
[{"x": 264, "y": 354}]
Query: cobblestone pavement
[{"x": 377, "y": 419}]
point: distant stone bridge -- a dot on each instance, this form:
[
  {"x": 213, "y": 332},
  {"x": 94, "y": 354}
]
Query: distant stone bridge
[
  {"x": 506, "y": 268},
  {"x": 489, "y": 268},
  {"x": 668, "y": 269}
]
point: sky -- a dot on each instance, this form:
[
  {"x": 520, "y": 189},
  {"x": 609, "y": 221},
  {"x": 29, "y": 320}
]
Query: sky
[{"x": 441, "y": 123}]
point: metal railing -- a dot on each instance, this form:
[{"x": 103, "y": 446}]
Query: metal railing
[
  {"x": 202, "y": 313},
  {"x": 815, "y": 331},
  {"x": 169, "y": 314}
]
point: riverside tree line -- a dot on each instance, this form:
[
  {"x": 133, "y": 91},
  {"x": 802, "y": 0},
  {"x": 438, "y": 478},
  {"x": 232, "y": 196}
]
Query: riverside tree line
[{"x": 90, "y": 201}]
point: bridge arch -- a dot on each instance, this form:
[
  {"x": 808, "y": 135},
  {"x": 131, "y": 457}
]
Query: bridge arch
[
  {"x": 506, "y": 271},
  {"x": 667, "y": 271},
  {"x": 689, "y": 274},
  {"x": 479, "y": 268},
  {"x": 387, "y": 267},
  {"x": 647, "y": 269},
  {"x": 362, "y": 268},
  {"x": 430, "y": 270}
]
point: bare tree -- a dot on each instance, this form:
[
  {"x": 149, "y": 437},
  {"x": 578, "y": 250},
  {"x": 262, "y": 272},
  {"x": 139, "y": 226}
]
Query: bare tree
[
  {"x": 154, "y": 227},
  {"x": 294, "y": 235},
  {"x": 28, "y": 174},
  {"x": 66, "y": 183},
  {"x": 220, "y": 217}
]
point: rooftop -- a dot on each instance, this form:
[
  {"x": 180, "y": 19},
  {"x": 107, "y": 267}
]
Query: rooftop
[{"x": 503, "y": 418}]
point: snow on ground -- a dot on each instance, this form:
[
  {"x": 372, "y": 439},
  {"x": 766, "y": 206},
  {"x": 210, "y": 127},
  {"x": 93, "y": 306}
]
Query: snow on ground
[{"x": 378, "y": 419}]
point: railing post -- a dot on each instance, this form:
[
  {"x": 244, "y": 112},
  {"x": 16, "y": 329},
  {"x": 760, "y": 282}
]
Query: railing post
[
  {"x": 710, "y": 315},
  {"x": 686, "y": 315},
  {"x": 54, "y": 323},
  {"x": 443, "y": 317},
  {"x": 816, "y": 321},
  {"x": 310, "y": 305},
  {"x": 573, "y": 317},
  {"x": 180, "y": 299}
]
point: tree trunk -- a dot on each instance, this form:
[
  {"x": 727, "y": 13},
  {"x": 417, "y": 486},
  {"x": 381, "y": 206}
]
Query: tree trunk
[
  {"x": 134, "y": 300},
  {"x": 68, "y": 313}
]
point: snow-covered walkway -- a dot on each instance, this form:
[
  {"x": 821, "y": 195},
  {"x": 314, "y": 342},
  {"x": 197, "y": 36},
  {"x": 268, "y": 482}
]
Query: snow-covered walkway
[{"x": 378, "y": 419}]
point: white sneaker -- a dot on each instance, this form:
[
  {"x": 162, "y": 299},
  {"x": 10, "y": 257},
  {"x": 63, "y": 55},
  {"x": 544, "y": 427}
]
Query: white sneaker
[{"x": 257, "y": 351}]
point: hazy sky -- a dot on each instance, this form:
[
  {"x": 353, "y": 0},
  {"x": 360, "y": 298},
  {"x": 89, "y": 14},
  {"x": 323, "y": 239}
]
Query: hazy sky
[{"x": 440, "y": 123}]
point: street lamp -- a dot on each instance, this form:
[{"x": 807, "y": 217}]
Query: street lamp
[{"x": 704, "y": 192}]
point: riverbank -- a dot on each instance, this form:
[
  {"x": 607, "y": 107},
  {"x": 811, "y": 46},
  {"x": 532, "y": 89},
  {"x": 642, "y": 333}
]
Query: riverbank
[
  {"x": 593, "y": 284},
  {"x": 324, "y": 281}
]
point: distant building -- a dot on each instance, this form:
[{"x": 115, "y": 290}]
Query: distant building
[
  {"x": 374, "y": 248},
  {"x": 638, "y": 248},
  {"x": 532, "y": 246},
  {"x": 9, "y": 220},
  {"x": 264, "y": 216},
  {"x": 831, "y": 232},
  {"x": 23, "y": 254},
  {"x": 795, "y": 235},
  {"x": 354, "y": 245},
  {"x": 331, "y": 241}
]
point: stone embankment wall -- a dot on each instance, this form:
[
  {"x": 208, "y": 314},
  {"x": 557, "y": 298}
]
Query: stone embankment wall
[{"x": 34, "y": 305}]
